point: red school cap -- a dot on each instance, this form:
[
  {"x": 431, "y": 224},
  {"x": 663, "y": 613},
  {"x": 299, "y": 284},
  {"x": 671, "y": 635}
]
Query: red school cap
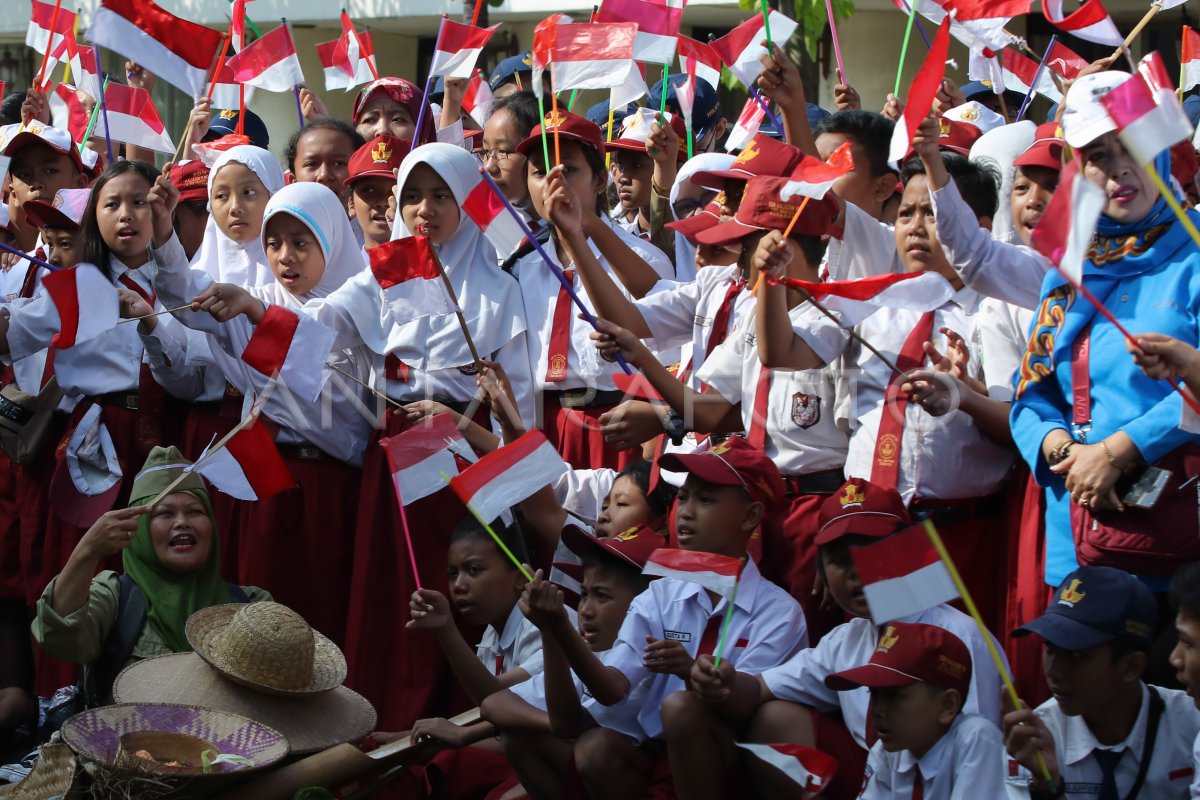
[{"x": 909, "y": 653}]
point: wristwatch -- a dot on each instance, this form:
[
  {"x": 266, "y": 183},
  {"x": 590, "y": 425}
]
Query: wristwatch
[
  {"x": 673, "y": 425},
  {"x": 1058, "y": 790}
]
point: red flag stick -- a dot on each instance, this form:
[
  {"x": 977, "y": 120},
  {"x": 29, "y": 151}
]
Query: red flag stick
[{"x": 220, "y": 65}]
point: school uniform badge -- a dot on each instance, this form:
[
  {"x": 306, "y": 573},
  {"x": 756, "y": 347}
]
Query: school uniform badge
[{"x": 806, "y": 410}]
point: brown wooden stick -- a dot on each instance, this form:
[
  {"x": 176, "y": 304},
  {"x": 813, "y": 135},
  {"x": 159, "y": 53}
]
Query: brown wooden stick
[
  {"x": 1155, "y": 7},
  {"x": 462, "y": 321},
  {"x": 156, "y": 314},
  {"x": 368, "y": 387}
]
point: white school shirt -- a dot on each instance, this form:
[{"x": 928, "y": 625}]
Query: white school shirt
[
  {"x": 539, "y": 292},
  {"x": 867, "y": 247},
  {"x": 962, "y": 765},
  {"x": 1002, "y": 334},
  {"x": 1195, "y": 789},
  {"x": 766, "y": 627},
  {"x": 806, "y": 428},
  {"x": 851, "y": 644},
  {"x": 941, "y": 458},
  {"x": 1171, "y": 770},
  {"x": 518, "y": 646}
]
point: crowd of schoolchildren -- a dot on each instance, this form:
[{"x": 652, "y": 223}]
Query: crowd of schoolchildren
[{"x": 1006, "y": 410}]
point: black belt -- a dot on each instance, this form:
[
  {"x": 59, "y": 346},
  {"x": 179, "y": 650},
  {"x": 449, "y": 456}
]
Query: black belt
[
  {"x": 125, "y": 400},
  {"x": 824, "y": 482},
  {"x": 585, "y": 398},
  {"x": 950, "y": 512},
  {"x": 304, "y": 452},
  {"x": 207, "y": 407}
]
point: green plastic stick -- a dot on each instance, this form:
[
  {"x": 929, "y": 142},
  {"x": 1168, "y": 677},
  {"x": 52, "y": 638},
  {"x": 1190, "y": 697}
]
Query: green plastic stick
[
  {"x": 87, "y": 134},
  {"x": 499, "y": 542},
  {"x": 545, "y": 145},
  {"x": 725, "y": 626},
  {"x": 767, "y": 24},
  {"x": 912, "y": 16}
]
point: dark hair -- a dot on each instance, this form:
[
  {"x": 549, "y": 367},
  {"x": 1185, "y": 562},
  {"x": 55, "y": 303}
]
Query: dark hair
[
  {"x": 10, "y": 108},
  {"x": 660, "y": 498},
  {"x": 95, "y": 249},
  {"x": 630, "y": 576},
  {"x": 471, "y": 529},
  {"x": 871, "y": 131},
  {"x": 979, "y": 184},
  {"x": 1185, "y": 590},
  {"x": 524, "y": 108},
  {"x": 1119, "y": 648},
  {"x": 813, "y": 247},
  {"x": 326, "y": 123}
]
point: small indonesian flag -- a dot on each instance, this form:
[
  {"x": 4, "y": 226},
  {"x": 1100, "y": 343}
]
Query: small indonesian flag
[
  {"x": 237, "y": 25},
  {"x": 657, "y": 25},
  {"x": 132, "y": 118},
  {"x": 41, "y": 18},
  {"x": 270, "y": 63},
  {"x": 590, "y": 55},
  {"x": 685, "y": 92},
  {"x": 84, "y": 72},
  {"x": 248, "y": 467},
  {"x": 708, "y": 60},
  {"x": 1065, "y": 61},
  {"x": 743, "y": 46},
  {"x": 86, "y": 302},
  {"x": 291, "y": 348},
  {"x": 227, "y": 92},
  {"x": 902, "y": 575},
  {"x": 420, "y": 455},
  {"x": 178, "y": 51},
  {"x": 714, "y": 572},
  {"x": 477, "y": 100},
  {"x": 855, "y": 300},
  {"x": 1009, "y": 70},
  {"x": 507, "y": 476},
  {"x": 920, "y": 95},
  {"x": 543, "y": 42},
  {"x": 746, "y": 127},
  {"x": 1191, "y": 58},
  {"x": 408, "y": 274},
  {"x": 67, "y": 112},
  {"x": 814, "y": 177},
  {"x": 808, "y": 767},
  {"x": 347, "y": 60},
  {"x": 1148, "y": 122},
  {"x": 1090, "y": 21},
  {"x": 487, "y": 210},
  {"x": 1066, "y": 227},
  {"x": 458, "y": 49},
  {"x": 975, "y": 23}
]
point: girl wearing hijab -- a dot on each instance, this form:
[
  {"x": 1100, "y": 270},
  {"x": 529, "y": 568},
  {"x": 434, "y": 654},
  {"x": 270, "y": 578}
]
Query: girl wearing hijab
[
  {"x": 311, "y": 251},
  {"x": 1143, "y": 266},
  {"x": 405, "y": 680},
  {"x": 170, "y": 552}
]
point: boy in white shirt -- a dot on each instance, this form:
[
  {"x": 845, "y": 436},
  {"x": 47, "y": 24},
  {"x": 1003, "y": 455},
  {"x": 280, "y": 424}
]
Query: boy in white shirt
[{"x": 1185, "y": 598}]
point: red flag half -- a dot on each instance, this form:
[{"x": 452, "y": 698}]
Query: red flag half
[
  {"x": 507, "y": 476},
  {"x": 132, "y": 118},
  {"x": 458, "y": 48},
  {"x": 809, "y": 768},
  {"x": 902, "y": 575},
  {"x": 920, "y": 95},
  {"x": 493, "y": 218},
  {"x": 292, "y": 348},
  {"x": 407, "y": 272},
  {"x": 420, "y": 455},
  {"x": 1091, "y": 21},
  {"x": 178, "y": 51},
  {"x": 86, "y": 302},
  {"x": 712, "y": 571},
  {"x": 269, "y": 63}
]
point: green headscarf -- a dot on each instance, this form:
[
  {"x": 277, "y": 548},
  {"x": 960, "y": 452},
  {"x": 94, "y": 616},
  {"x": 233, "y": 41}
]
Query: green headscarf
[{"x": 171, "y": 597}]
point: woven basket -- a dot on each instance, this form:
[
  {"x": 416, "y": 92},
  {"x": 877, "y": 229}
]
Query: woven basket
[{"x": 52, "y": 776}]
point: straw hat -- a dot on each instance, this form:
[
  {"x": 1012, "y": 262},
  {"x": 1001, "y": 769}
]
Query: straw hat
[
  {"x": 267, "y": 647},
  {"x": 111, "y": 735},
  {"x": 52, "y": 775},
  {"x": 311, "y": 722}
]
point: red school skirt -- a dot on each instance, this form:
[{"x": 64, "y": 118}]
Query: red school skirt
[{"x": 575, "y": 431}]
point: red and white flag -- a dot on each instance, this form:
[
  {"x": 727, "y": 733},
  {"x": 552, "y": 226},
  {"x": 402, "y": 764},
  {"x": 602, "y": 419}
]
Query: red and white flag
[
  {"x": 708, "y": 60},
  {"x": 1090, "y": 21},
  {"x": 132, "y": 118},
  {"x": 248, "y": 466},
  {"x": 657, "y": 25},
  {"x": 902, "y": 575},
  {"x": 292, "y": 349},
  {"x": 814, "y": 177},
  {"x": 458, "y": 49},
  {"x": 507, "y": 476},
  {"x": 589, "y": 55},
  {"x": 543, "y": 44},
  {"x": 82, "y": 60},
  {"x": 42, "y": 16},
  {"x": 1009, "y": 70},
  {"x": 67, "y": 112},
  {"x": 348, "y": 59},
  {"x": 976, "y": 23},
  {"x": 270, "y": 63},
  {"x": 477, "y": 100},
  {"x": 855, "y": 300},
  {"x": 488, "y": 212},
  {"x": 227, "y": 92},
  {"x": 743, "y": 46},
  {"x": 420, "y": 455},
  {"x": 714, "y": 572},
  {"x": 86, "y": 302},
  {"x": 685, "y": 93},
  {"x": 808, "y": 767},
  {"x": 178, "y": 51},
  {"x": 1065, "y": 61},
  {"x": 408, "y": 274},
  {"x": 1148, "y": 121},
  {"x": 746, "y": 127},
  {"x": 1191, "y": 58},
  {"x": 1065, "y": 230},
  {"x": 920, "y": 95}
]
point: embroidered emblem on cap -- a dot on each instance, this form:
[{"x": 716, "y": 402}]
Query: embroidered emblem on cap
[
  {"x": 888, "y": 640},
  {"x": 381, "y": 153},
  {"x": 721, "y": 449},
  {"x": 853, "y": 496},
  {"x": 943, "y": 126},
  {"x": 228, "y": 113},
  {"x": 748, "y": 154},
  {"x": 970, "y": 114},
  {"x": 554, "y": 119},
  {"x": 627, "y": 536},
  {"x": 1070, "y": 595}
]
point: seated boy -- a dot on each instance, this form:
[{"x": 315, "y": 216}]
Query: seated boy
[
  {"x": 541, "y": 717},
  {"x": 919, "y": 678},
  {"x": 1104, "y": 732},
  {"x": 728, "y": 489},
  {"x": 791, "y": 702}
]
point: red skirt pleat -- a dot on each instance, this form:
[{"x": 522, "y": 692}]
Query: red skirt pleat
[{"x": 576, "y": 435}]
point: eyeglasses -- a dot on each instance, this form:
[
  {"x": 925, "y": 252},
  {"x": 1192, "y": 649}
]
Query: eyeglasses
[{"x": 495, "y": 154}]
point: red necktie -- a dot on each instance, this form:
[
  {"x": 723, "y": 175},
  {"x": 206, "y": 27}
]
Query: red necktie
[
  {"x": 712, "y": 632},
  {"x": 560, "y": 333},
  {"x": 499, "y": 665},
  {"x": 885, "y": 470},
  {"x": 720, "y": 326},
  {"x": 918, "y": 785},
  {"x": 757, "y": 434}
]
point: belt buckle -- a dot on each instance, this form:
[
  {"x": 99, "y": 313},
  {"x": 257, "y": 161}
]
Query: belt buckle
[
  {"x": 308, "y": 452},
  {"x": 130, "y": 402},
  {"x": 576, "y": 398}
]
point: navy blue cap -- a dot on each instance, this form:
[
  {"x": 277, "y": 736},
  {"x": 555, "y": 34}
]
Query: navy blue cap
[
  {"x": 506, "y": 69},
  {"x": 599, "y": 115},
  {"x": 224, "y": 122},
  {"x": 438, "y": 90},
  {"x": 816, "y": 114},
  {"x": 706, "y": 109},
  {"x": 975, "y": 88},
  {"x": 1095, "y": 605},
  {"x": 1191, "y": 107}
]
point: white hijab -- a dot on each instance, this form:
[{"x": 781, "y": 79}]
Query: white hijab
[
  {"x": 323, "y": 213},
  {"x": 225, "y": 260},
  {"x": 685, "y": 251}
]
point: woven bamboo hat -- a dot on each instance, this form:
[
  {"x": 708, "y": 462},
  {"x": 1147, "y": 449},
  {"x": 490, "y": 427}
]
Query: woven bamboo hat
[
  {"x": 267, "y": 647},
  {"x": 311, "y": 722},
  {"x": 52, "y": 776}
]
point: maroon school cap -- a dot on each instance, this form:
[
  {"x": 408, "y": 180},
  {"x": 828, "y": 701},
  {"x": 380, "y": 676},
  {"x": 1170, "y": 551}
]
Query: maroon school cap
[
  {"x": 763, "y": 208},
  {"x": 567, "y": 126},
  {"x": 64, "y": 213},
  {"x": 191, "y": 179},
  {"x": 378, "y": 158},
  {"x": 861, "y": 508},
  {"x": 632, "y": 547},
  {"x": 733, "y": 462},
  {"x": 14, "y": 138},
  {"x": 702, "y": 220},
  {"x": 909, "y": 653},
  {"x": 762, "y": 156},
  {"x": 1046, "y": 150}
]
